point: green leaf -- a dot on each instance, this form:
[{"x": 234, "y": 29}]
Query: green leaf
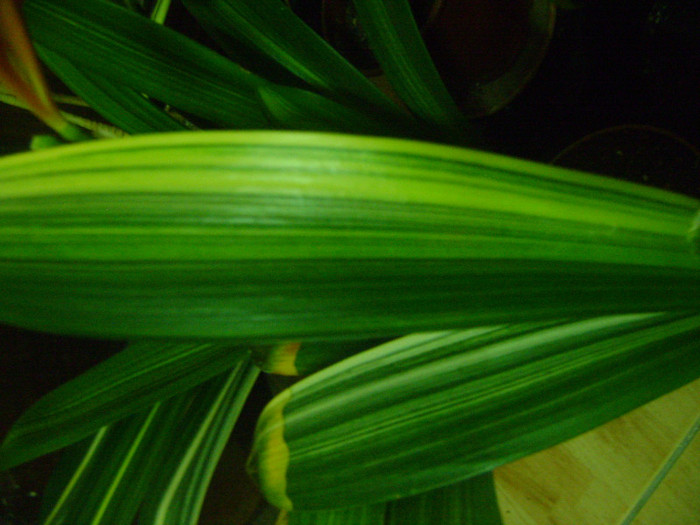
[
  {"x": 132, "y": 380},
  {"x": 105, "y": 40},
  {"x": 120, "y": 105},
  {"x": 175, "y": 445},
  {"x": 185, "y": 474},
  {"x": 430, "y": 409},
  {"x": 272, "y": 28},
  {"x": 278, "y": 236},
  {"x": 303, "y": 358},
  {"x": 363, "y": 515},
  {"x": 397, "y": 43},
  {"x": 469, "y": 502},
  {"x": 105, "y": 480},
  {"x": 295, "y": 108}
]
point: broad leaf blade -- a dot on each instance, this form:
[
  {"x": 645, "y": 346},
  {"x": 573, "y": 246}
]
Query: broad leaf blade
[
  {"x": 137, "y": 377},
  {"x": 469, "y": 502},
  {"x": 362, "y": 515},
  {"x": 426, "y": 410},
  {"x": 106, "y": 40},
  {"x": 288, "y": 236}
]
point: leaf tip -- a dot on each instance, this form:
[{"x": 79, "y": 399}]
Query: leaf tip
[
  {"x": 269, "y": 459},
  {"x": 279, "y": 359}
]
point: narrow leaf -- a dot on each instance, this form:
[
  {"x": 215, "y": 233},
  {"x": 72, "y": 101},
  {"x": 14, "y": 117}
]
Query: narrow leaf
[
  {"x": 300, "y": 109},
  {"x": 105, "y": 483},
  {"x": 272, "y": 28},
  {"x": 469, "y": 502},
  {"x": 120, "y": 105},
  {"x": 427, "y": 410},
  {"x": 185, "y": 474},
  {"x": 137, "y": 377},
  {"x": 277, "y": 236},
  {"x": 397, "y": 43},
  {"x": 109, "y": 485},
  {"x": 103, "y": 39}
]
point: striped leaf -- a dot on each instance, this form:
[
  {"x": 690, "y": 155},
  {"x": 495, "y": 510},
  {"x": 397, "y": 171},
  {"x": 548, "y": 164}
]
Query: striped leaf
[
  {"x": 469, "y": 502},
  {"x": 430, "y": 409},
  {"x": 132, "y": 380},
  {"x": 177, "y": 495},
  {"x": 169, "y": 450},
  {"x": 120, "y": 105},
  {"x": 271, "y": 28},
  {"x": 103, "y": 480},
  {"x": 397, "y": 43},
  {"x": 103, "y": 39},
  {"x": 273, "y": 236},
  {"x": 300, "y": 109},
  {"x": 362, "y": 515}
]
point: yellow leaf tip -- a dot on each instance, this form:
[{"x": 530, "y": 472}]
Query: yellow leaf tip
[
  {"x": 269, "y": 459},
  {"x": 280, "y": 359}
]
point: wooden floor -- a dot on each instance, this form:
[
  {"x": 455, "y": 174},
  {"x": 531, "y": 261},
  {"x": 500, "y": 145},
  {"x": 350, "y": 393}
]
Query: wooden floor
[{"x": 641, "y": 469}]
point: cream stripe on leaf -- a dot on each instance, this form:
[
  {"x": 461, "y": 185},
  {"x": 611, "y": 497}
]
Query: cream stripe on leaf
[
  {"x": 280, "y": 236},
  {"x": 427, "y": 410}
]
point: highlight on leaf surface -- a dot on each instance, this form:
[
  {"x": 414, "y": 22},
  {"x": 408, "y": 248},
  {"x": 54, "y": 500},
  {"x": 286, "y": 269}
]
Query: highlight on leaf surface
[
  {"x": 273, "y": 236},
  {"x": 425, "y": 410}
]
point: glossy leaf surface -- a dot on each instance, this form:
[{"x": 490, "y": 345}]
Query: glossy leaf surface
[
  {"x": 289, "y": 236},
  {"x": 426, "y": 410}
]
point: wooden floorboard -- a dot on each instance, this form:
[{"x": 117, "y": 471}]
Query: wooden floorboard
[{"x": 600, "y": 477}]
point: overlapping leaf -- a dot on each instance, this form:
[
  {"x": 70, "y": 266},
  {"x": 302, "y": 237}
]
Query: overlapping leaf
[
  {"x": 361, "y": 515},
  {"x": 426, "y": 410},
  {"x": 399, "y": 48},
  {"x": 303, "y": 358},
  {"x": 177, "y": 495},
  {"x": 130, "y": 50},
  {"x": 121, "y": 105},
  {"x": 132, "y": 380},
  {"x": 103, "y": 479},
  {"x": 289, "y": 236},
  {"x": 468, "y": 502},
  {"x": 271, "y": 28},
  {"x": 163, "y": 456}
]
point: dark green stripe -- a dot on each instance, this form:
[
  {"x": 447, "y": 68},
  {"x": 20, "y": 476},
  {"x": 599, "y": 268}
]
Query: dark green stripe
[{"x": 381, "y": 425}]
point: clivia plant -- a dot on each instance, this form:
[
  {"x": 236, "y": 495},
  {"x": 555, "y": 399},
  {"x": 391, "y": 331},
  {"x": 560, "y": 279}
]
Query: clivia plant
[{"x": 451, "y": 310}]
